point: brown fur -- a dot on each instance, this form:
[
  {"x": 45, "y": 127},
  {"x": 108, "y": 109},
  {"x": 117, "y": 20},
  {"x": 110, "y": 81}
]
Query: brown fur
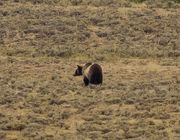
[{"x": 92, "y": 73}]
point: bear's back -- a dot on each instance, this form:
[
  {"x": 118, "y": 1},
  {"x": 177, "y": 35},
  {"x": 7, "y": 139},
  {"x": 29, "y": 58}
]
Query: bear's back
[{"x": 94, "y": 73}]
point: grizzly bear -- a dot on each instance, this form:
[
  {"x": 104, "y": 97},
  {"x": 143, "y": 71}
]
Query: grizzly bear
[{"x": 91, "y": 72}]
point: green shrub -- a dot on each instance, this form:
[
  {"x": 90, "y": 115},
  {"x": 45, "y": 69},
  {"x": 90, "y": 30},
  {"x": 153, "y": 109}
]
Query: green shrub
[
  {"x": 137, "y": 1},
  {"x": 178, "y": 1}
]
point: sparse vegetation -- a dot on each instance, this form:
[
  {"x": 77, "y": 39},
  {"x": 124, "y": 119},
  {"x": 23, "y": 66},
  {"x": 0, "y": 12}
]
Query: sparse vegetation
[
  {"x": 138, "y": 1},
  {"x": 137, "y": 44}
]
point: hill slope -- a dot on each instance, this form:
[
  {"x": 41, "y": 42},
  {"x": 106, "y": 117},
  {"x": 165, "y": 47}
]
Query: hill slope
[{"x": 136, "y": 44}]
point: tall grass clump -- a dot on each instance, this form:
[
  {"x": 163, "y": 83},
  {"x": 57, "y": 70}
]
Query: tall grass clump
[{"x": 137, "y": 1}]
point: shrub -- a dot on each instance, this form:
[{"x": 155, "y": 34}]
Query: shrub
[
  {"x": 137, "y": 1},
  {"x": 178, "y": 1}
]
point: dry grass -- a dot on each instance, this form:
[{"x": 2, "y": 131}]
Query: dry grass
[{"x": 137, "y": 45}]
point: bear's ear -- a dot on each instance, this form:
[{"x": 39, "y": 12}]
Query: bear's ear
[{"x": 79, "y": 67}]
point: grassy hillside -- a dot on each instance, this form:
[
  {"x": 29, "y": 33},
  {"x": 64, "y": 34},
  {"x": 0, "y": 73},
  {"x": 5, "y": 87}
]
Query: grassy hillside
[
  {"x": 54, "y": 30},
  {"x": 136, "y": 43}
]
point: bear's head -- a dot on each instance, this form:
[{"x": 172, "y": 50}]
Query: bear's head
[{"x": 78, "y": 71}]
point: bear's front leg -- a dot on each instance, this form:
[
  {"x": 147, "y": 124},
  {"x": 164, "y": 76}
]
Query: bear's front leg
[{"x": 86, "y": 81}]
